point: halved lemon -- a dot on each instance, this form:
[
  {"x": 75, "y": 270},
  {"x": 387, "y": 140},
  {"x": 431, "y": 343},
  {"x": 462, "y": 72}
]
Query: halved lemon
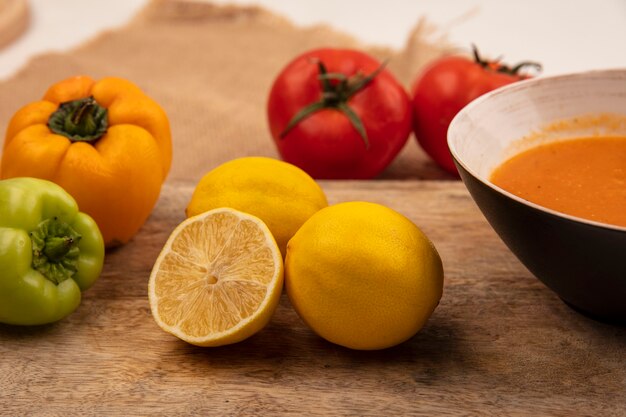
[{"x": 218, "y": 278}]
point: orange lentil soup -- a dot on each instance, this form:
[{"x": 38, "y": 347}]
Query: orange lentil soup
[{"x": 583, "y": 177}]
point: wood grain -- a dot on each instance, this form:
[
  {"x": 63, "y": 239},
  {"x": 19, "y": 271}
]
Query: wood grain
[{"x": 500, "y": 343}]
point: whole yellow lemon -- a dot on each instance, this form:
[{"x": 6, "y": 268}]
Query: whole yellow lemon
[
  {"x": 280, "y": 194},
  {"x": 363, "y": 276}
]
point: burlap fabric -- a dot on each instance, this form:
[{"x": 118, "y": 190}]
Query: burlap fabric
[{"x": 211, "y": 68}]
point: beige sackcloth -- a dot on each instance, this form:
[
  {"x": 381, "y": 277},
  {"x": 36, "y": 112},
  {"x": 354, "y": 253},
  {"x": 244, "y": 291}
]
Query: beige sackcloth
[{"x": 211, "y": 68}]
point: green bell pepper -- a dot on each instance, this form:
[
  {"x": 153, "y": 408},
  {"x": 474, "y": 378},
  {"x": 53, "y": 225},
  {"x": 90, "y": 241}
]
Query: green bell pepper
[{"x": 49, "y": 252}]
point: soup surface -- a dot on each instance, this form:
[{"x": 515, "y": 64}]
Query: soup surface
[{"x": 583, "y": 177}]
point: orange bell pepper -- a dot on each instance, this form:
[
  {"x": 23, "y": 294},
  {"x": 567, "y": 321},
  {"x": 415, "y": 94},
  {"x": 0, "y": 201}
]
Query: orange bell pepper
[{"x": 106, "y": 143}]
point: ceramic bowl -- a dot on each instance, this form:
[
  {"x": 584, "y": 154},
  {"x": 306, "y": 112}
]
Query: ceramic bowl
[{"x": 583, "y": 261}]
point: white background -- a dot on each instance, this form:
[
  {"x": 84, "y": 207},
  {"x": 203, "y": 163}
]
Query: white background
[{"x": 566, "y": 36}]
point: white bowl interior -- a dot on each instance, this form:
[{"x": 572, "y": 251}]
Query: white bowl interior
[{"x": 501, "y": 123}]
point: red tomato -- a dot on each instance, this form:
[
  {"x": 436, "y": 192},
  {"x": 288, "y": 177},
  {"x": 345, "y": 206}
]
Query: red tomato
[
  {"x": 444, "y": 88},
  {"x": 360, "y": 119}
]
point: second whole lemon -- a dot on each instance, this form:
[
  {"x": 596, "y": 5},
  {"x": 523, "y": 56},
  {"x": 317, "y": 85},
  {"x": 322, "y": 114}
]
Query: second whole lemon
[
  {"x": 362, "y": 275},
  {"x": 280, "y": 194}
]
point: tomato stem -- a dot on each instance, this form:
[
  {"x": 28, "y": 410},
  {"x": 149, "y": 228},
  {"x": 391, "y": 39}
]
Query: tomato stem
[
  {"x": 337, "y": 89},
  {"x": 497, "y": 65}
]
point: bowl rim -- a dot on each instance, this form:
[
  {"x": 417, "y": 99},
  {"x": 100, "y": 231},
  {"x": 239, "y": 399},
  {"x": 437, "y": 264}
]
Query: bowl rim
[{"x": 507, "y": 89}]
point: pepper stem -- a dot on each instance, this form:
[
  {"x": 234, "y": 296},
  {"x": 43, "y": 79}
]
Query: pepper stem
[
  {"x": 55, "y": 250},
  {"x": 57, "y": 247},
  {"x": 82, "y": 120}
]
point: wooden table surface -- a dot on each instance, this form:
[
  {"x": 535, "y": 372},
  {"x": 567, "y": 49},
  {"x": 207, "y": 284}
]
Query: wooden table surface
[{"x": 500, "y": 343}]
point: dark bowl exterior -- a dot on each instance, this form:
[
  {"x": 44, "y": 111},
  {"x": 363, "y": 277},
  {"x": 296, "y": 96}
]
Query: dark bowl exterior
[{"x": 584, "y": 264}]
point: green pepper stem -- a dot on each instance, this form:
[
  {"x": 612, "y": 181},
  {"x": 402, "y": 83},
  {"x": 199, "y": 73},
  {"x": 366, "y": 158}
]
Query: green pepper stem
[
  {"x": 55, "y": 250},
  {"x": 57, "y": 247},
  {"x": 82, "y": 120}
]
